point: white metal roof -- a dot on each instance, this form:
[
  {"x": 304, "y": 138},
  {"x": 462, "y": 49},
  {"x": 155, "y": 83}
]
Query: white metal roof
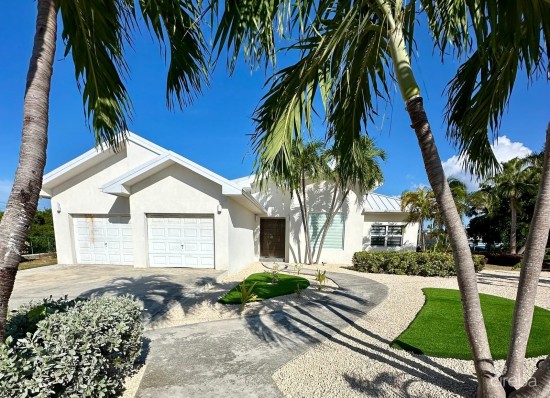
[{"x": 377, "y": 203}]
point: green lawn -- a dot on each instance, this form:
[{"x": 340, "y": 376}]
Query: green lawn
[
  {"x": 264, "y": 289},
  {"x": 438, "y": 329}
]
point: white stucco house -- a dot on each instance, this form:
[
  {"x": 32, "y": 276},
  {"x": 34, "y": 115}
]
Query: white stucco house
[{"x": 150, "y": 207}]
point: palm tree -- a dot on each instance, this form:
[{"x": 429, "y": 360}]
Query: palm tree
[
  {"x": 514, "y": 181},
  {"x": 420, "y": 206},
  {"x": 358, "y": 171},
  {"x": 95, "y": 33},
  {"x": 304, "y": 163},
  {"x": 347, "y": 52}
]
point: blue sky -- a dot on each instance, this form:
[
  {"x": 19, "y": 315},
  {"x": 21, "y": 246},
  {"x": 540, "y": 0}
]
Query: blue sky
[{"x": 214, "y": 130}]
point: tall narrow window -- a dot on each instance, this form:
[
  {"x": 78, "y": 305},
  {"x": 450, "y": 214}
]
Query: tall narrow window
[{"x": 335, "y": 233}]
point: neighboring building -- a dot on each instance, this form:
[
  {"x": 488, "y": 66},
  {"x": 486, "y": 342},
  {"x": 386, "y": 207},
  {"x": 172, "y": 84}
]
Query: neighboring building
[{"x": 151, "y": 207}]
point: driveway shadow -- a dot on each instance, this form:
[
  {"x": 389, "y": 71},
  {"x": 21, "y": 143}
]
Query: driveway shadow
[{"x": 160, "y": 294}]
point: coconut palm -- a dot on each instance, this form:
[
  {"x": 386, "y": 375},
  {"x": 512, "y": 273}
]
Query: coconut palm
[
  {"x": 95, "y": 34},
  {"x": 359, "y": 171},
  {"x": 420, "y": 205},
  {"x": 306, "y": 163},
  {"x": 348, "y": 50},
  {"x": 512, "y": 182}
]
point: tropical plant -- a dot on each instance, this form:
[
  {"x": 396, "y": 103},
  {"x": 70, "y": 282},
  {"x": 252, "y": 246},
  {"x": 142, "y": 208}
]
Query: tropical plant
[
  {"x": 275, "y": 273},
  {"x": 346, "y": 53},
  {"x": 247, "y": 294},
  {"x": 420, "y": 205},
  {"x": 321, "y": 278},
  {"x": 359, "y": 171},
  {"x": 298, "y": 267},
  {"x": 95, "y": 34},
  {"x": 511, "y": 183},
  {"x": 305, "y": 163}
]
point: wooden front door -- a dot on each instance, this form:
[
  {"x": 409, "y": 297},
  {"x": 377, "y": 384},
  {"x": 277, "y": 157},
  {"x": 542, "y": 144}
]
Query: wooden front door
[{"x": 272, "y": 237}]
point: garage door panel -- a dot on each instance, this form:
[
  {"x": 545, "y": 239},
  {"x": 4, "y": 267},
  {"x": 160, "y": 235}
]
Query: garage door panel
[
  {"x": 103, "y": 240},
  {"x": 187, "y": 241}
]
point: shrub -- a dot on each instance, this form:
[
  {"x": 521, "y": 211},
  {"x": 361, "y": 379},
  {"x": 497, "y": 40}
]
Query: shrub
[
  {"x": 409, "y": 263},
  {"x": 507, "y": 260},
  {"x": 85, "y": 349}
]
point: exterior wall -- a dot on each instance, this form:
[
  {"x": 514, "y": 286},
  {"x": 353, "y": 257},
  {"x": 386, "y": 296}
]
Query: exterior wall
[
  {"x": 243, "y": 229},
  {"x": 175, "y": 191},
  {"x": 280, "y": 204},
  {"x": 81, "y": 195},
  {"x": 178, "y": 191},
  {"x": 410, "y": 235}
]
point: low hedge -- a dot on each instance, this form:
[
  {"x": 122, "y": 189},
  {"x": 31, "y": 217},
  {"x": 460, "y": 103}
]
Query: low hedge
[
  {"x": 504, "y": 259},
  {"x": 409, "y": 263},
  {"x": 83, "y": 348}
]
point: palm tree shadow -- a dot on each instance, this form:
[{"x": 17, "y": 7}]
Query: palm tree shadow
[{"x": 326, "y": 319}]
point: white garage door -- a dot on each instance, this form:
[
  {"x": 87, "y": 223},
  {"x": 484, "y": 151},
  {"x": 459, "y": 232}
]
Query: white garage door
[
  {"x": 103, "y": 240},
  {"x": 186, "y": 241}
]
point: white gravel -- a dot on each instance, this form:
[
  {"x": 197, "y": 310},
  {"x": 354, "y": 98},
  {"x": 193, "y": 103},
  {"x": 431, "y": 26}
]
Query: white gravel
[
  {"x": 203, "y": 305},
  {"x": 358, "y": 361}
]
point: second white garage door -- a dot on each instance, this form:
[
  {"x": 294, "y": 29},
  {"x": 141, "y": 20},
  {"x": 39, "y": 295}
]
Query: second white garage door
[{"x": 186, "y": 241}]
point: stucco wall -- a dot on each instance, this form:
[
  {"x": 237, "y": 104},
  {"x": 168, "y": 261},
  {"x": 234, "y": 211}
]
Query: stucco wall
[
  {"x": 279, "y": 204},
  {"x": 243, "y": 229},
  {"x": 178, "y": 191},
  {"x": 410, "y": 235},
  {"x": 81, "y": 195}
]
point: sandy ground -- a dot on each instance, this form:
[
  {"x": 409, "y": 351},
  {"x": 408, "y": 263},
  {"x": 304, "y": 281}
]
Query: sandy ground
[{"x": 358, "y": 361}]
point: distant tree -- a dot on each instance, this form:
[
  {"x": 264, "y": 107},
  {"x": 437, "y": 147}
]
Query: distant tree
[
  {"x": 421, "y": 207},
  {"x": 514, "y": 181}
]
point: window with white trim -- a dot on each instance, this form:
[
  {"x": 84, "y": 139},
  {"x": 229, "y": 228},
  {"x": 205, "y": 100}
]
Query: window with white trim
[
  {"x": 335, "y": 234},
  {"x": 386, "y": 235}
]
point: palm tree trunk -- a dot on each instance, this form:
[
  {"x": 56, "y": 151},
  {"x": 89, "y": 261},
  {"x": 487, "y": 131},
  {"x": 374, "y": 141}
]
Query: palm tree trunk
[
  {"x": 306, "y": 220},
  {"x": 529, "y": 276},
  {"x": 513, "y": 225},
  {"x": 23, "y": 199},
  {"x": 489, "y": 386},
  {"x": 328, "y": 223},
  {"x": 538, "y": 386},
  {"x": 307, "y": 258}
]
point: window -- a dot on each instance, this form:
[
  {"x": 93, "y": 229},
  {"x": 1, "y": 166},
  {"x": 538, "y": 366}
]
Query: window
[
  {"x": 386, "y": 236},
  {"x": 335, "y": 233}
]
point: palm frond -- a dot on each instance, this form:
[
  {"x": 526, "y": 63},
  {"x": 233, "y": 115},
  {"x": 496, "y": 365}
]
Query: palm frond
[
  {"x": 511, "y": 37},
  {"x": 96, "y": 33}
]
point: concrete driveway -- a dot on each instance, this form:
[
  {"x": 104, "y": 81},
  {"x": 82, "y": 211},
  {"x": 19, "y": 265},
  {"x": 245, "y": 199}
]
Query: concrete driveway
[{"x": 156, "y": 288}]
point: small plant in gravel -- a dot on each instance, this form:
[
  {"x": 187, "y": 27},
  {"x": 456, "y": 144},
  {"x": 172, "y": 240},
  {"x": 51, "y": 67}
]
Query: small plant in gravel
[
  {"x": 298, "y": 290},
  {"x": 298, "y": 267},
  {"x": 247, "y": 294},
  {"x": 321, "y": 278}
]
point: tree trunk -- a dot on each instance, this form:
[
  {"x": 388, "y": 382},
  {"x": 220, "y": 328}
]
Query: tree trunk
[
  {"x": 529, "y": 276},
  {"x": 23, "y": 199},
  {"x": 307, "y": 258},
  {"x": 538, "y": 386},
  {"x": 489, "y": 385},
  {"x": 513, "y": 225},
  {"x": 328, "y": 223},
  {"x": 422, "y": 236},
  {"x": 306, "y": 219}
]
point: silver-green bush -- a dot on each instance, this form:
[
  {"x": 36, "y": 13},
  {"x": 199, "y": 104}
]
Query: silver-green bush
[
  {"x": 410, "y": 263},
  {"x": 85, "y": 350}
]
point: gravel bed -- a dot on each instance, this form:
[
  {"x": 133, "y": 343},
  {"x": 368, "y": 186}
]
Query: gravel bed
[
  {"x": 202, "y": 306},
  {"x": 358, "y": 361}
]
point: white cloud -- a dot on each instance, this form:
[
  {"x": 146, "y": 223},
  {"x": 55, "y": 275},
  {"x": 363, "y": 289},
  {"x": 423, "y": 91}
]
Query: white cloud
[{"x": 504, "y": 149}]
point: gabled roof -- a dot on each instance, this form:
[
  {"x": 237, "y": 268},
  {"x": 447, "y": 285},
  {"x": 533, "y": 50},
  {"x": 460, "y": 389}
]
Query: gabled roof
[
  {"x": 377, "y": 203},
  {"x": 121, "y": 186},
  {"x": 89, "y": 159}
]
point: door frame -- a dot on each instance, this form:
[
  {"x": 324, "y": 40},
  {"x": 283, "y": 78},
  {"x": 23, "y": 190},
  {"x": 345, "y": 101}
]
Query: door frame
[{"x": 285, "y": 237}]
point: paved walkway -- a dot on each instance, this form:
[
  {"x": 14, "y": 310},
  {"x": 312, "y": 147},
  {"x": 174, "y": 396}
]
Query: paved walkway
[{"x": 237, "y": 357}]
